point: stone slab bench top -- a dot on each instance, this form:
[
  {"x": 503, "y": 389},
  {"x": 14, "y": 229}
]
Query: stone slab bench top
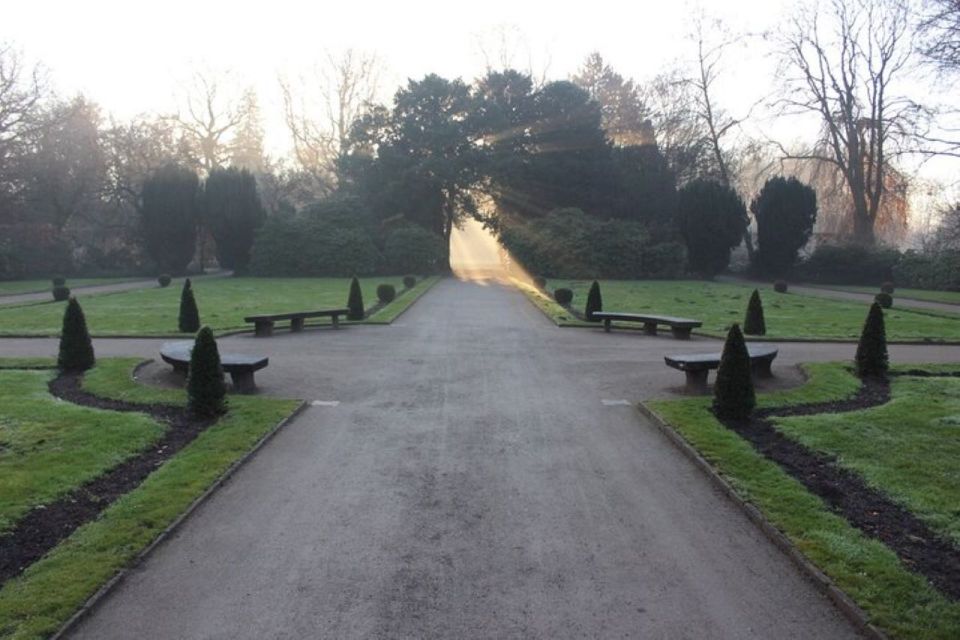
[
  {"x": 686, "y": 362},
  {"x": 178, "y": 353},
  {"x": 647, "y": 317},
  {"x": 320, "y": 313}
]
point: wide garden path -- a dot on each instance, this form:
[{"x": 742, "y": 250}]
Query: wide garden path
[{"x": 469, "y": 471}]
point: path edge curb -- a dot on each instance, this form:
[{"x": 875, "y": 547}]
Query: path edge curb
[
  {"x": 850, "y": 609},
  {"x": 101, "y": 594}
]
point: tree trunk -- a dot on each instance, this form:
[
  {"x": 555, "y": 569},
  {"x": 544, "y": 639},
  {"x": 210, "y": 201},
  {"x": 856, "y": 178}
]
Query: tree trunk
[{"x": 863, "y": 234}]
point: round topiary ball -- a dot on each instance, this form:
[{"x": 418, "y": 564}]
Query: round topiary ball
[
  {"x": 164, "y": 280},
  {"x": 887, "y": 287},
  {"x": 386, "y": 293},
  {"x": 61, "y": 293},
  {"x": 58, "y": 281},
  {"x": 885, "y": 300},
  {"x": 563, "y": 296},
  {"x": 409, "y": 282},
  {"x": 780, "y": 286},
  {"x": 540, "y": 282}
]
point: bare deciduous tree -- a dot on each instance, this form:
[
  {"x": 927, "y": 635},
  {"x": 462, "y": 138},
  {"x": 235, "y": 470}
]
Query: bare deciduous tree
[
  {"x": 940, "y": 33},
  {"x": 22, "y": 91},
  {"x": 209, "y": 118}
]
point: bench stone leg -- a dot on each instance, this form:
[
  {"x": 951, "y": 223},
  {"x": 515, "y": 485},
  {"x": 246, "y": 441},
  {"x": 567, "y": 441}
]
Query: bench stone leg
[
  {"x": 697, "y": 380},
  {"x": 761, "y": 368},
  {"x": 650, "y": 328},
  {"x": 263, "y": 329},
  {"x": 243, "y": 382},
  {"x": 681, "y": 333},
  {"x": 606, "y": 324},
  {"x": 181, "y": 367},
  {"x": 336, "y": 321},
  {"x": 296, "y": 324}
]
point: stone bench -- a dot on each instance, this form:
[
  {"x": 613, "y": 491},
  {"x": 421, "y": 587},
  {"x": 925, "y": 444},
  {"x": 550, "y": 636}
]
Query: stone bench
[
  {"x": 263, "y": 324},
  {"x": 698, "y": 365},
  {"x": 240, "y": 367},
  {"x": 680, "y": 327}
]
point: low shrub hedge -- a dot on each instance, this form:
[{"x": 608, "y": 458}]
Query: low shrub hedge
[
  {"x": 936, "y": 270},
  {"x": 412, "y": 249},
  {"x": 849, "y": 264},
  {"x": 164, "y": 280},
  {"x": 780, "y": 286},
  {"x": 884, "y": 299},
  {"x": 61, "y": 293},
  {"x": 409, "y": 282},
  {"x": 386, "y": 293},
  {"x": 563, "y": 296}
]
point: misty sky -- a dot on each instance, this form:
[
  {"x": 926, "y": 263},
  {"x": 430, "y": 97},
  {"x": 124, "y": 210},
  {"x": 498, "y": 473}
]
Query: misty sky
[{"x": 131, "y": 57}]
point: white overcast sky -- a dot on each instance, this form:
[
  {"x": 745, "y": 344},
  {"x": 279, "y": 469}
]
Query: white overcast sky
[{"x": 130, "y": 56}]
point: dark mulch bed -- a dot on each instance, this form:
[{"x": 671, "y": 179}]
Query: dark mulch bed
[
  {"x": 44, "y": 527},
  {"x": 919, "y": 548}
]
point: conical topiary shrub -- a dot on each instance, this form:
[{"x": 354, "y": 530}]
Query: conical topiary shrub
[
  {"x": 189, "y": 321},
  {"x": 355, "y": 301},
  {"x": 733, "y": 395},
  {"x": 754, "y": 324},
  {"x": 872, "y": 358},
  {"x": 76, "y": 349},
  {"x": 206, "y": 391},
  {"x": 594, "y": 302}
]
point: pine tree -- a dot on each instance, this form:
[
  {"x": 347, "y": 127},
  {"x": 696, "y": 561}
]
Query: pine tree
[
  {"x": 355, "y": 301},
  {"x": 594, "y": 302},
  {"x": 872, "y": 358},
  {"x": 754, "y": 324},
  {"x": 189, "y": 314},
  {"x": 733, "y": 395},
  {"x": 206, "y": 390},
  {"x": 76, "y": 349}
]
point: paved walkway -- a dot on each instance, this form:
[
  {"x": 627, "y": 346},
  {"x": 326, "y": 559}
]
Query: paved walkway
[
  {"x": 472, "y": 482},
  {"x": 116, "y": 287}
]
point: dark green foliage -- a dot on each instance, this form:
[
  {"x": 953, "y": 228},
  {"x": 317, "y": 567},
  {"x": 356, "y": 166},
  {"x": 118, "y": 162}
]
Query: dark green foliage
[
  {"x": 539, "y": 282},
  {"x": 164, "y": 280},
  {"x": 411, "y": 248},
  {"x": 885, "y": 300},
  {"x": 206, "y": 390},
  {"x": 232, "y": 211},
  {"x": 76, "y": 349},
  {"x": 61, "y": 293},
  {"x": 712, "y": 219},
  {"x": 935, "y": 270},
  {"x": 785, "y": 210},
  {"x": 780, "y": 286},
  {"x": 409, "y": 282},
  {"x": 189, "y": 319},
  {"x": 168, "y": 217},
  {"x": 355, "y": 301},
  {"x": 849, "y": 264},
  {"x": 386, "y": 293},
  {"x": 58, "y": 281},
  {"x": 872, "y": 360},
  {"x": 594, "y": 302},
  {"x": 754, "y": 324},
  {"x": 733, "y": 394},
  {"x": 563, "y": 296},
  {"x": 568, "y": 243},
  {"x": 887, "y": 287}
]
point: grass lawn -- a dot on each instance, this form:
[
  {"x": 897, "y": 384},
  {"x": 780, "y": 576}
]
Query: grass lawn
[
  {"x": 13, "y": 287},
  {"x": 51, "y": 447},
  {"x": 719, "y": 305},
  {"x": 948, "y": 297},
  {"x": 223, "y": 303},
  {"x": 907, "y": 449}
]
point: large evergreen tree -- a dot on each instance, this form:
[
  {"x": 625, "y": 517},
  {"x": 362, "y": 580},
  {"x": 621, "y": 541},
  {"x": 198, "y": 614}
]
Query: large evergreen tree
[
  {"x": 232, "y": 211},
  {"x": 785, "y": 211},
  {"x": 76, "y": 348},
  {"x": 168, "y": 217},
  {"x": 712, "y": 219}
]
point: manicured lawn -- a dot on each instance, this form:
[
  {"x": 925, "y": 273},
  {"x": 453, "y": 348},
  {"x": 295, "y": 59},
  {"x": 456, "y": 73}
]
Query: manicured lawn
[
  {"x": 39, "y": 601},
  {"x": 719, "y": 305},
  {"x": 948, "y": 297},
  {"x": 907, "y": 449},
  {"x": 13, "y": 287},
  {"x": 223, "y": 303}
]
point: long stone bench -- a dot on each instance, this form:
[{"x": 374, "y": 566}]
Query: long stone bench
[
  {"x": 698, "y": 365},
  {"x": 240, "y": 367},
  {"x": 680, "y": 327},
  {"x": 263, "y": 324}
]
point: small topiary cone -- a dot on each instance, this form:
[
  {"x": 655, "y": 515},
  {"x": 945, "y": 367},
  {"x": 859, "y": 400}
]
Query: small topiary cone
[
  {"x": 355, "y": 301},
  {"x": 189, "y": 321},
  {"x": 206, "y": 390},
  {"x": 594, "y": 302},
  {"x": 76, "y": 349},
  {"x": 872, "y": 358},
  {"x": 733, "y": 395},
  {"x": 754, "y": 323}
]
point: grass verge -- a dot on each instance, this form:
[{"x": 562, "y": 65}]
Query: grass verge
[
  {"x": 402, "y": 302},
  {"x": 38, "y": 602},
  {"x": 896, "y": 600},
  {"x": 17, "y": 287}
]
